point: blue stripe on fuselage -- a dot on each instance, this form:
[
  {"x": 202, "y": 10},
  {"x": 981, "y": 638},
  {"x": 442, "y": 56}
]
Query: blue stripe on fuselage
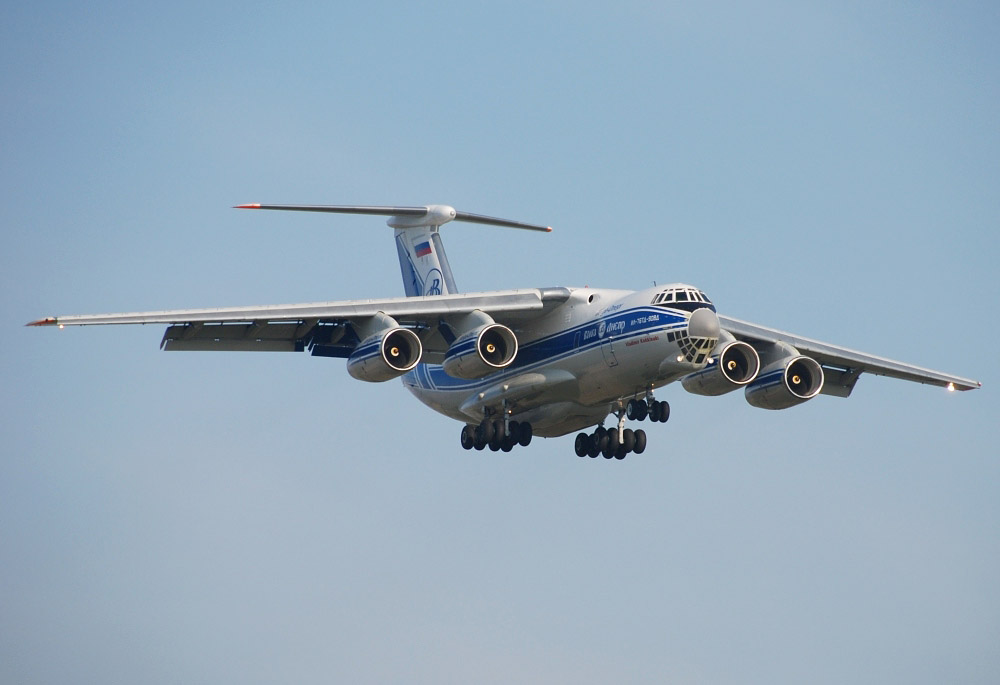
[{"x": 618, "y": 327}]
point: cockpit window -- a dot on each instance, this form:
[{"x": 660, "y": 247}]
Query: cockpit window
[{"x": 682, "y": 296}]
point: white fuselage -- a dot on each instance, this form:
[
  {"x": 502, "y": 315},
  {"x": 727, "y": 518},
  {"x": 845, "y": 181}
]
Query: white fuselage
[{"x": 577, "y": 363}]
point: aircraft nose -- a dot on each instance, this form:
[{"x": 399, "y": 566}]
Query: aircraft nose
[{"x": 704, "y": 324}]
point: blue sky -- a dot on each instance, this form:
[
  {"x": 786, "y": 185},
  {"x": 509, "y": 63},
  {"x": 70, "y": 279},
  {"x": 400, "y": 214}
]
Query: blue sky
[{"x": 829, "y": 168}]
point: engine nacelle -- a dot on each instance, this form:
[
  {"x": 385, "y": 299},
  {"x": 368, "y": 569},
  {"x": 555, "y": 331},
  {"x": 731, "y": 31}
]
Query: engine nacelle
[
  {"x": 481, "y": 352},
  {"x": 785, "y": 383},
  {"x": 385, "y": 355},
  {"x": 734, "y": 366}
]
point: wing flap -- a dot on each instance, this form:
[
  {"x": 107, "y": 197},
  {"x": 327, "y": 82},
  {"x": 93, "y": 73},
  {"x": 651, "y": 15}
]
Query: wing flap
[{"x": 267, "y": 337}]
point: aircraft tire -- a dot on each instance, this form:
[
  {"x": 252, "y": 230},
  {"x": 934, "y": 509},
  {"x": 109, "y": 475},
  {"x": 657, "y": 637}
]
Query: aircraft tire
[
  {"x": 495, "y": 441},
  {"x": 486, "y": 428},
  {"x": 633, "y": 410},
  {"x": 664, "y": 412},
  {"x": 628, "y": 439},
  {"x": 507, "y": 444},
  {"x": 593, "y": 446},
  {"x": 654, "y": 411},
  {"x": 499, "y": 430},
  {"x": 610, "y": 444},
  {"x": 468, "y": 437},
  {"x": 524, "y": 431},
  {"x": 620, "y": 452},
  {"x": 640, "y": 442},
  {"x": 582, "y": 444}
]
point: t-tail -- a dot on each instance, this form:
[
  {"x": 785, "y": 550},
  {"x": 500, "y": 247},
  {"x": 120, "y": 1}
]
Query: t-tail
[{"x": 422, "y": 259}]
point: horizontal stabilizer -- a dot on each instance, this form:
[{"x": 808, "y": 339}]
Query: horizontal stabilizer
[{"x": 407, "y": 217}]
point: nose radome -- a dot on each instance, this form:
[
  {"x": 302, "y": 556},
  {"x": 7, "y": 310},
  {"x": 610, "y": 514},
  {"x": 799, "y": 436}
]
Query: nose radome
[{"x": 704, "y": 324}]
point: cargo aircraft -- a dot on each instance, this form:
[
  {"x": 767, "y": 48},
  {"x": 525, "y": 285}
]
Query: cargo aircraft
[{"x": 512, "y": 364}]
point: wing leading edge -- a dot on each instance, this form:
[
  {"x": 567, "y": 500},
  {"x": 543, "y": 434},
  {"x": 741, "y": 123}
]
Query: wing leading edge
[
  {"x": 841, "y": 365},
  {"x": 293, "y": 327}
]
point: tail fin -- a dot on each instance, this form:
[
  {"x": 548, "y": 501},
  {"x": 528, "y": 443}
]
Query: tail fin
[
  {"x": 423, "y": 262},
  {"x": 422, "y": 258}
]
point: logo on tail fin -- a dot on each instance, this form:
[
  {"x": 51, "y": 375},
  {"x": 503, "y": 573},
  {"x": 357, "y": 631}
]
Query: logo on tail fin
[{"x": 433, "y": 282}]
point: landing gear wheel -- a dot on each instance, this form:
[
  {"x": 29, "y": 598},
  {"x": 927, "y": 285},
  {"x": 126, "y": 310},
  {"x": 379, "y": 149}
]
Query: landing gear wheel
[
  {"x": 507, "y": 444},
  {"x": 636, "y": 410},
  {"x": 514, "y": 430},
  {"x": 593, "y": 446},
  {"x": 620, "y": 452},
  {"x": 664, "y": 412},
  {"x": 486, "y": 430},
  {"x": 524, "y": 437},
  {"x": 582, "y": 444},
  {"x": 468, "y": 437},
  {"x": 654, "y": 411},
  {"x": 640, "y": 442},
  {"x": 497, "y": 439},
  {"x": 628, "y": 439},
  {"x": 611, "y": 446}
]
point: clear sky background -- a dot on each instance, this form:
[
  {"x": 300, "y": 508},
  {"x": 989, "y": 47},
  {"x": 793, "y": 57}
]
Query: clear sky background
[{"x": 832, "y": 169}]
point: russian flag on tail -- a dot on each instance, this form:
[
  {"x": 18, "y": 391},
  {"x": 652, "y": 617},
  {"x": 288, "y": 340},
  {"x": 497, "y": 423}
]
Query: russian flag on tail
[{"x": 423, "y": 249}]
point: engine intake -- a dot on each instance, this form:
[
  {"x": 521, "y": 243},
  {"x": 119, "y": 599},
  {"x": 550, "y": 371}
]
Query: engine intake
[
  {"x": 385, "y": 355},
  {"x": 736, "y": 365},
  {"x": 480, "y": 352},
  {"x": 785, "y": 383}
]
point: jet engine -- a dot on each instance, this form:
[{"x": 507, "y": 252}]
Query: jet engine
[
  {"x": 385, "y": 355},
  {"x": 481, "y": 351},
  {"x": 732, "y": 365},
  {"x": 785, "y": 383}
]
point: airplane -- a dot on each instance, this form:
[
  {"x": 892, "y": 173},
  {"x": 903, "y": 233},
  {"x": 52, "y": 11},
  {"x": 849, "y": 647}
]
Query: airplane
[{"x": 547, "y": 362}]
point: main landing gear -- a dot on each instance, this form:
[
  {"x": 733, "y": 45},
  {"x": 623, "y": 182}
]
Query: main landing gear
[
  {"x": 504, "y": 435},
  {"x": 493, "y": 433},
  {"x": 620, "y": 441}
]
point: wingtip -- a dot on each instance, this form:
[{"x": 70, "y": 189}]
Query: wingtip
[
  {"x": 251, "y": 206},
  {"x": 47, "y": 321}
]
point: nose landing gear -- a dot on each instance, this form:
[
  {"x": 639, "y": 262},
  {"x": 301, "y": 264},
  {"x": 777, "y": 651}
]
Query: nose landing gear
[{"x": 639, "y": 410}]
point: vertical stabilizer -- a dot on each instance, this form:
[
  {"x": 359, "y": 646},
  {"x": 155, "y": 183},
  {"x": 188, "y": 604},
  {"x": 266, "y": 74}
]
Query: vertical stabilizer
[{"x": 423, "y": 262}]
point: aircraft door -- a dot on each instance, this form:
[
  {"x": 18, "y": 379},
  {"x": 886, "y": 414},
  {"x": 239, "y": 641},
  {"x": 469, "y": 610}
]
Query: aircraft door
[{"x": 608, "y": 348}]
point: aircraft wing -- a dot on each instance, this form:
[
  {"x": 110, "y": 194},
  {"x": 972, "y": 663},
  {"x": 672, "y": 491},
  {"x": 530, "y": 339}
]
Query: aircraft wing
[
  {"x": 842, "y": 366},
  {"x": 324, "y": 327}
]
